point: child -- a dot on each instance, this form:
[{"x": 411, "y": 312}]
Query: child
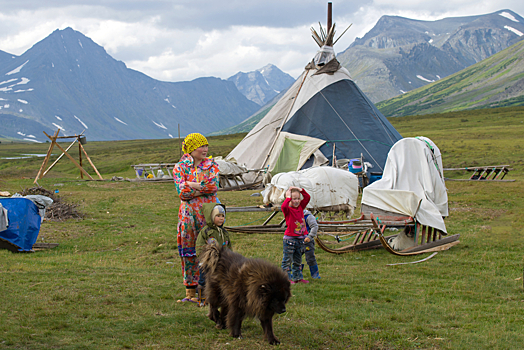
[
  {"x": 293, "y": 209},
  {"x": 309, "y": 242},
  {"x": 215, "y": 214}
]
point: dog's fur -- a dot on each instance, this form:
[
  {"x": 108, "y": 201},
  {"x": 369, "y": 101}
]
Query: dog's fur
[{"x": 242, "y": 287}]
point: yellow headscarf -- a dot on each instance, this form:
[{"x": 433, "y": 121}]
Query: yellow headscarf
[{"x": 193, "y": 141}]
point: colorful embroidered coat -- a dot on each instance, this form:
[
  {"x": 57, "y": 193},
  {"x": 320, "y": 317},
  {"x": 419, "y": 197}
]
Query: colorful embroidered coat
[{"x": 190, "y": 216}]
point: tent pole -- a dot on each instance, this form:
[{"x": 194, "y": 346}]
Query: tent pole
[{"x": 329, "y": 16}]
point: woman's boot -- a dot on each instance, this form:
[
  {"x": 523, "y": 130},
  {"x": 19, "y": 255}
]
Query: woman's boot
[{"x": 190, "y": 296}]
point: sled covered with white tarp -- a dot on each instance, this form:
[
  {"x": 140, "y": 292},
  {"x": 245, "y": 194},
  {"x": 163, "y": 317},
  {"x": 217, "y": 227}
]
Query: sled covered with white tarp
[
  {"x": 412, "y": 185},
  {"x": 411, "y": 198}
]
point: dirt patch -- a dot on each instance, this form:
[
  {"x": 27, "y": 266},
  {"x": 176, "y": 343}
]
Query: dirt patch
[{"x": 59, "y": 210}]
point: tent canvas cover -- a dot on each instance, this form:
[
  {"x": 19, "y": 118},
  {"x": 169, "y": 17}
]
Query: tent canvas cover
[{"x": 323, "y": 113}]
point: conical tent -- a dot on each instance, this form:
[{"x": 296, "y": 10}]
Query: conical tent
[{"x": 324, "y": 113}]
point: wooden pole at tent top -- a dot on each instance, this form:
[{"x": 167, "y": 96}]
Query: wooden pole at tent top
[{"x": 329, "y": 16}]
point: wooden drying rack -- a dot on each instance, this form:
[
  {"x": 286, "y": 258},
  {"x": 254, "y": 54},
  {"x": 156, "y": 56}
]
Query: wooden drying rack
[{"x": 81, "y": 139}]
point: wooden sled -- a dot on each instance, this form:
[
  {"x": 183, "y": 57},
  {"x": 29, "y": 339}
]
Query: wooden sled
[
  {"x": 426, "y": 240},
  {"x": 361, "y": 233}
]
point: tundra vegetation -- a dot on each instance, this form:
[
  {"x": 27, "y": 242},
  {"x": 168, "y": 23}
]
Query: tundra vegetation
[{"x": 113, "y": 281}]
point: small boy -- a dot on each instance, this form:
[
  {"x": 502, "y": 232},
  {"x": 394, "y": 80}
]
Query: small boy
[
  {"x": 215, "y": 215},
  {"x": 309, "y": 242},
  {"x": 293, "y": 209}
]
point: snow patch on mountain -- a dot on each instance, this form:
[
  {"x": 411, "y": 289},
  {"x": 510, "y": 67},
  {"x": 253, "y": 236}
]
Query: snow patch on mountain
[
  {"x": 424, "y": 79},
  {"x": 58, "y": 126},
  {"x": 81, "y": 122},
  {"x": 17, "y": 69},
  {"x": 511, "y": 29},
  {"x": 8, "y": 81},
  {"x": 159, "y": 125},
  {"x": 509, "y": 16},
  {"x": 22, "y": 81},
  {"x": 118, "y": 120}
]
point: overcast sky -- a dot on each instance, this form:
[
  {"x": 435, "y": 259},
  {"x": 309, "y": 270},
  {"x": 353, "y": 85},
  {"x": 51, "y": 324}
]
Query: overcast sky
[{"x": 177, "y": 40}]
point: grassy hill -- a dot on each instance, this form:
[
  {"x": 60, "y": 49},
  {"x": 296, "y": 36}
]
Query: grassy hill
[
  {"x": 113, "y": 281},
  {"x": 497, "y": 81}
]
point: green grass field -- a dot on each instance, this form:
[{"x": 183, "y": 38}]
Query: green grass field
[{"x": 113, "y": 281}]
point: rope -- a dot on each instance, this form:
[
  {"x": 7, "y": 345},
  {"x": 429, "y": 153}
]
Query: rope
[
  {"x": 383, "y": 143},
  {"x": 351, "y": 131},
  {"x": 337, "y": 237},
  {"x": 432, "y": 153},
  {"x": 347, "y": 126}
]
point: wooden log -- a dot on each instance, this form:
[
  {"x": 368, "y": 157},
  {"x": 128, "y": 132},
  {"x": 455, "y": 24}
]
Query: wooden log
[
  {"x": 437, "y": 243},
  {"x": 46, "y": 159},
  {"x": 58, "y": 159},
  {"x": 80, "y": 158},
  {"x": 270, "y": 217},
  {"x": 90, "y": 162},
  {"x": 71, "y": 158},
  {"x": 44, "y": 245},
  {"x": 423, "y": 234},
  {"x": 251, "y": 209}
]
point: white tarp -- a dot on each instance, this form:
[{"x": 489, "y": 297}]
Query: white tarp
[
  {"x": 327, "y": 186},
  {"x": 230, "y": 167},
  {"x": 4, "y": 221},
  {"x": 413, "y": 174}
]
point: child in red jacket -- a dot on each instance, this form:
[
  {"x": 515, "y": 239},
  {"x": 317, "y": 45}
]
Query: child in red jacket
[{"x": 293, "y": 209}]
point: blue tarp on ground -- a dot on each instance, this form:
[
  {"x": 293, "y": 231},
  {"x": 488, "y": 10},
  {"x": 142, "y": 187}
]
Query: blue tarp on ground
[{"x": 24, "y": 224}]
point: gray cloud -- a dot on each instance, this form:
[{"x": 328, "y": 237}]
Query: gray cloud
[{"x": 184, "y": 39}]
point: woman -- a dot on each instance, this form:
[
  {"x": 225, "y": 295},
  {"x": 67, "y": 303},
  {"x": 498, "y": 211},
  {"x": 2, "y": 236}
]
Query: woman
[{"x": 196, "y": 180}]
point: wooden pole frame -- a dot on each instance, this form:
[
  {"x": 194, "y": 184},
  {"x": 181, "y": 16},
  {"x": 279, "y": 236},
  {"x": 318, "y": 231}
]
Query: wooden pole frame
[
  {"x": 46, "y": 159},
  {"x": 42, "y": 172}
]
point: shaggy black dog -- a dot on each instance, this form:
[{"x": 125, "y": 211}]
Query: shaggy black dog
[{"x": 242, "y": 287}]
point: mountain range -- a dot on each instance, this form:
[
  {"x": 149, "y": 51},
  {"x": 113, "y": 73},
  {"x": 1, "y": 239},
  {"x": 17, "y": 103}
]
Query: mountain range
[
  {"x": 263, "y": 84},
  {"x": 67, "y": 81},
  {"x": 497, "y": 81},
  {"x": 400, "y": 54}
]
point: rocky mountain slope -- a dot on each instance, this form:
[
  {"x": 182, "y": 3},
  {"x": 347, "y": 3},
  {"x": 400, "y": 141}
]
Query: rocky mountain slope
[
  {"x": 263, "y": 84},
  {"x": 401, "y": 54},
  {"x": 67, "y": 81},
  {"x": 497, "y": 81}
]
